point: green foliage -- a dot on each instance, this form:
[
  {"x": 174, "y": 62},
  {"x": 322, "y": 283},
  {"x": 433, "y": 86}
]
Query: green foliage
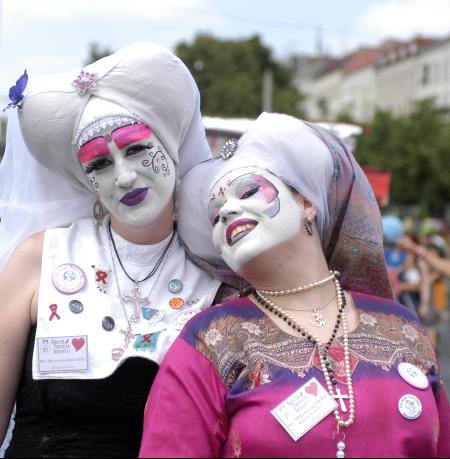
[
  {"x": 229, "y": 75},
  {"x": 95, "y": 53},
  {"x": 345, "y": 117},
  {"x": 416, "y": 150}
]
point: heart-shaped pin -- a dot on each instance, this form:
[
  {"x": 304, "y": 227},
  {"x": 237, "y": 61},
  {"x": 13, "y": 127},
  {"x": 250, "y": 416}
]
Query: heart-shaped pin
[
  {"x": 78, "y": 343},
  {"x": 117, "y": 353},
  {"x": 312, "y": 389}
]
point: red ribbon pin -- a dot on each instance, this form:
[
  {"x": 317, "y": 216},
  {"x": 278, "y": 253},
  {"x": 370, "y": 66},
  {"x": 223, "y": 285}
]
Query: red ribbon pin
[
  {"x": 53, "y": 308},
  {"x": 101, "y": 276}
]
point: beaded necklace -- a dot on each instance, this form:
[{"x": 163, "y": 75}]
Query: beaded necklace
[
  {"x": 325, "y": 362},
  {"x": 301, "y": 288}
]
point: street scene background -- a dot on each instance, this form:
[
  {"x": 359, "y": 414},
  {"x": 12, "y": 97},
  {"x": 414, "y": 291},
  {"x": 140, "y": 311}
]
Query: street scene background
[{"x": 375, "y": 72}]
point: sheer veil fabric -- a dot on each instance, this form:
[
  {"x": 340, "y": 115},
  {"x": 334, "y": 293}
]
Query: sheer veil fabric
[{"x": 32, "y": 196}]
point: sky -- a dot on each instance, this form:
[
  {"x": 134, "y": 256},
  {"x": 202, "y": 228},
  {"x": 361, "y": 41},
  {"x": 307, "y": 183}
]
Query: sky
[{"x": 45, "y": 36}]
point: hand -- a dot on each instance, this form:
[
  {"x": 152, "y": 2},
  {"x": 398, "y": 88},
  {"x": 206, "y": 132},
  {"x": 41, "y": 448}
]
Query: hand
[{"x": 406, "y": 243}]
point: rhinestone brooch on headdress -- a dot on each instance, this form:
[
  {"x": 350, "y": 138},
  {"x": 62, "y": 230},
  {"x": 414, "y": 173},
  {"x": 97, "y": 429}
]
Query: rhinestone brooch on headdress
[
  {"x": 85, "y": 82},
  {"x": 102, "y": 125},
  {"x": 228, "y": 148}
]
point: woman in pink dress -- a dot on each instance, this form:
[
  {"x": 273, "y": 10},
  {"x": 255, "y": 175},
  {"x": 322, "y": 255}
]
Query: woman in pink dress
[{"x": 315, "y": 359}]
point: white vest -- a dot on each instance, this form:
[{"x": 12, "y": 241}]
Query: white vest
[{"x": 74, "y": 344}]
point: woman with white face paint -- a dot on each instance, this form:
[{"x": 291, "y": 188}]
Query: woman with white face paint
[
  {"x": 95, "y": 283},
  {"x": 314, "y": 359}
]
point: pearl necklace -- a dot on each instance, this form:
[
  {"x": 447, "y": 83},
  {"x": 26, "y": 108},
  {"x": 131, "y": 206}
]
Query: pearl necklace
[
  {"x": 301, "y": 288},
  {"x": 325, "y": 363}
]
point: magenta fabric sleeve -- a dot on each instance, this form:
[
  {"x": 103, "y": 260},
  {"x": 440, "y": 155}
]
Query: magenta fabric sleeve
[{"x": 185, "y": 413}]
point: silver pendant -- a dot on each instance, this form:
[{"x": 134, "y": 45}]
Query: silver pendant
[
  {"x": 318, "y": 319},
  {"x": 128, "y": 335}
]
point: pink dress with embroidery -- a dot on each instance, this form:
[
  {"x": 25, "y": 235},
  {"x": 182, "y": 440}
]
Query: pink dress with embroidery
[{"x": 232, "y": 365}]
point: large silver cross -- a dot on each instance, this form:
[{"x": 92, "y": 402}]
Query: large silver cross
[
  {"x": 339, "y": 395},
  {"x": 136, "y": 300}
]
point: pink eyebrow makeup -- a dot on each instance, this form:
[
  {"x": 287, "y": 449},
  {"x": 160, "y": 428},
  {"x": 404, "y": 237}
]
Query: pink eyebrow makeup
[
  {"x": 126, "y": 135},
  {"x": 93, "y": 149},
  {"x": 122, "y": 137}
]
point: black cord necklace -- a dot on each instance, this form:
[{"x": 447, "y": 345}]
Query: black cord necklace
[{"x": 154, "y": 269}]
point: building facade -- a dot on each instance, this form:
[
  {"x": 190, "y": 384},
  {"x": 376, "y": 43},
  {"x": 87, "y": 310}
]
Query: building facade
[{"x": 393, "y": 77}]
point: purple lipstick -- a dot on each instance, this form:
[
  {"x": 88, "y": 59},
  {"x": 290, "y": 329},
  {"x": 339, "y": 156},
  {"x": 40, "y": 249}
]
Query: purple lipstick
[{"x": 134, "y": 197}]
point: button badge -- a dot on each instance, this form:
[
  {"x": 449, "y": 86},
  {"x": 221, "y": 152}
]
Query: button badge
[
  {"x": 413, "y": 375},
  {"x": 68, "y": 278},
  {"x": 410, "y": 406},
  {"x": 175, "y": 286}
]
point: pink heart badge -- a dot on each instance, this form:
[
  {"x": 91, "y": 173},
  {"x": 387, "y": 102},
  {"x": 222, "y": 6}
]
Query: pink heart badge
[
  {"x": 78, "y": 343},
  {"x": 312, "y": 389}
]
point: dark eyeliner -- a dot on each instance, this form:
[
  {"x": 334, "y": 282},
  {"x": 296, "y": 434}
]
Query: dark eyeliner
[
  {"x": 250, "y": 192},
  {"x": 98, "y": 164},
  {"x": 134, "y": 149}
]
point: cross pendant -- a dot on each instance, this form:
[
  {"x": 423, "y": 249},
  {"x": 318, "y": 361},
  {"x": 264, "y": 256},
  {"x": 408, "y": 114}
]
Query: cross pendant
[
  {"x": 128, "y": 336},
  {"x": 339, "y": 395},
  {"x": 136, "y": 300}
]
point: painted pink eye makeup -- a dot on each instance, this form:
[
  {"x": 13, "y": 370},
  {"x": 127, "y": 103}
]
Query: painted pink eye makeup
[
  {"x": 252, "y": 187},
  {"x": 268, "y": 190},
  {"x": 258, "y": 188},
  {"x": 93, "y": 149},
  {"x": 127, "y": 135}
]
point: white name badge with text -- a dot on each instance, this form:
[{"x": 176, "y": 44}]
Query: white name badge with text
[
  {"x": 62, "y": 353},
  {"x": 303, "y": 409}
]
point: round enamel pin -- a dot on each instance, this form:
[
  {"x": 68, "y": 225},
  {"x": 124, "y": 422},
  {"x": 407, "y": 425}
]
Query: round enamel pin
[
  {"x": 196, "y": 300},
  {"x": 175, "y": 286},
  {"x": 108, "y": 323},
  {"x": 182, "y": 317},
  {"x": 76, "y": 306},
  {"x": 410, "y": 406},
  {"x": 413, "y": 375},
  {"x": 68, "y": 278},
  {"x": 176, "y": 303}
]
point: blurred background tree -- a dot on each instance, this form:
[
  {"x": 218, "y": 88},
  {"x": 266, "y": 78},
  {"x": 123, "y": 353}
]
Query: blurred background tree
[
  {"x": 229, "y": 74},
  {"x": 95, "y": 52},
  {"x": 416, "y": 150}
]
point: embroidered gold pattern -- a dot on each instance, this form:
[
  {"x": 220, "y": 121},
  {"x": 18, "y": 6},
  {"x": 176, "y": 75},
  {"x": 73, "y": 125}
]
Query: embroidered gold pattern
[{"x": 247, "y": 350}]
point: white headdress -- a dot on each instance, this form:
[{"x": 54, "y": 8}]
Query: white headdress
[
  {"x": 303, "y": 152},
  {"x": 145, "y": 80},
  {"x": 319, "y": 167}
]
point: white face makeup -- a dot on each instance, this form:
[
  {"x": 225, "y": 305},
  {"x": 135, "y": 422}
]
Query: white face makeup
[
  {"x": 252, "y": 211},
  {"x": 131, "y": 171}
]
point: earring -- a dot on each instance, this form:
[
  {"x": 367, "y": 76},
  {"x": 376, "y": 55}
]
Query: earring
[
  {"x": 307, "y": 223},
  {"x": 98, "y": 214}
]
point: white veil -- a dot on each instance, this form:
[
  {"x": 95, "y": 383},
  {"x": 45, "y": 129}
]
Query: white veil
[{"x": 32, "y": 198}]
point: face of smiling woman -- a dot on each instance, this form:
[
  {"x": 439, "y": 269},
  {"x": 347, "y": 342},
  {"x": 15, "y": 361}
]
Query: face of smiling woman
[
  {"x": 251, "y": 211},
  {"x": 131, "y": 171}
]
